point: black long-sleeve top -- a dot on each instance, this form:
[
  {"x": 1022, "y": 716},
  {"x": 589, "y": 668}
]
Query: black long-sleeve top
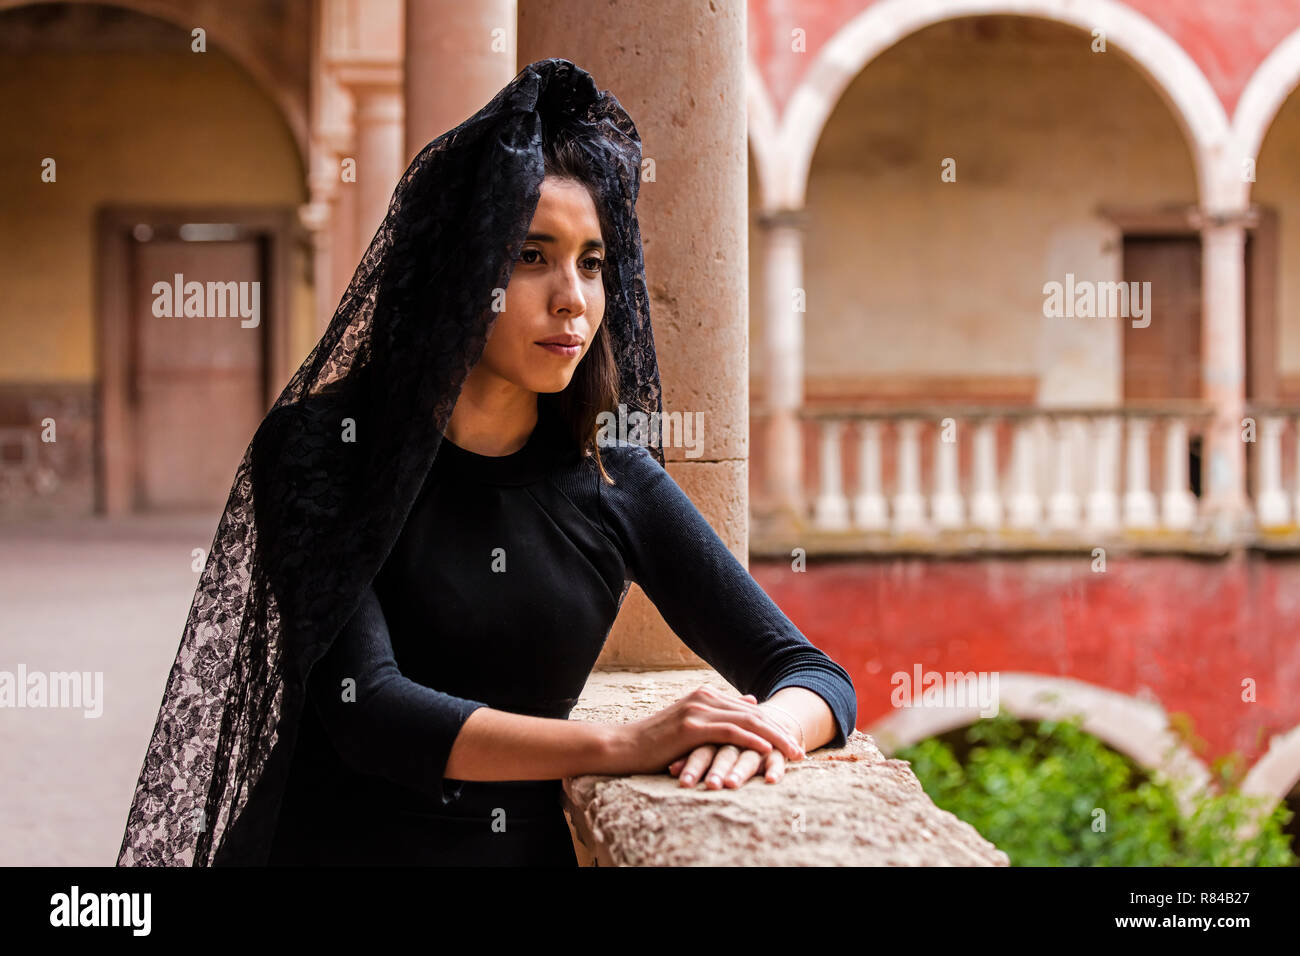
[{"x": 500, "y": 592}]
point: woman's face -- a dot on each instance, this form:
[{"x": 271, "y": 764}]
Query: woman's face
[{"x": 556, "y": 293}]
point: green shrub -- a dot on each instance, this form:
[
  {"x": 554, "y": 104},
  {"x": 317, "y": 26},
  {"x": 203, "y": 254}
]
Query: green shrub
[{"x": 1050, "y": 794}]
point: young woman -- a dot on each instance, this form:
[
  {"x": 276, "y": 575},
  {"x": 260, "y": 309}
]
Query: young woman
[{"x": 431, "y": 727}]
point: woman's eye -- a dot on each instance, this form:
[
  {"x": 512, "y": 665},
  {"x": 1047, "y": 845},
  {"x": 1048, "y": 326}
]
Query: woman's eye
[
  {"x": 598, "y": 263},
  {"x": 523, "y": 256}
]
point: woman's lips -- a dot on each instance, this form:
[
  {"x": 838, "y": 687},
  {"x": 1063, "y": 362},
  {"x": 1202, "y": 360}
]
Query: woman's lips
[{"x": 568, "y": 351}]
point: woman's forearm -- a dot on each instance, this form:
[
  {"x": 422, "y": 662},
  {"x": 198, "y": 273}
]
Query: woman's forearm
[
  {"x": 498, "y": 745},
  {"x": 813, "y": 713}
]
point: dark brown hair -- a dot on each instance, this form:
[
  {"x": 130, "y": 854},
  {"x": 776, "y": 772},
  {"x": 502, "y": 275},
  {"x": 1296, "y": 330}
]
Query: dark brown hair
[{"x": 594, "y": 386}]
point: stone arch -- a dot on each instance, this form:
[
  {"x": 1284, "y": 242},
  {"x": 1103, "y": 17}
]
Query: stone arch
[
  {"x": 1174, "y": 74},
  {"x": 1276, "y": 774},
  {"x": 1137, "y": 728},
  {"x": 762, "y": 132},
  {"x": 292, "y": 111},
  {"x": 1273, "y": 81}
]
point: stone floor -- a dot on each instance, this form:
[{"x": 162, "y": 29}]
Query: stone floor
[{"x": 90, "y": 595}]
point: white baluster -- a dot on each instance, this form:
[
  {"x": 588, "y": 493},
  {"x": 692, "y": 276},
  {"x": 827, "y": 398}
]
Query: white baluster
[
  {"x": 909, "y": 505},
  {"x": 1295, "y": 426},
  {"x": 985, "y": 506},
  {"x": 1103, "y": 499},
  {"x": 870, "y": 510},
  {"x": 1139, "y": 502},
  {"x": 947, "y": 508},
  {"x": 1177, "y": 504},
  {"x": 1271, "y": 507},
  {"x": 1063, "y": 505},
  {"x": 1024, "y": 506},
  {"x": 832, "y": 508}
]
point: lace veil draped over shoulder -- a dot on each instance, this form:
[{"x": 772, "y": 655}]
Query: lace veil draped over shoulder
[{"x": 311, "y": 516}]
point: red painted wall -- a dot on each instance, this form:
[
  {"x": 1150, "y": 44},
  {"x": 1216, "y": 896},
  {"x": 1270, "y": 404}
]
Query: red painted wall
[{"x": 1186, "y": 630}]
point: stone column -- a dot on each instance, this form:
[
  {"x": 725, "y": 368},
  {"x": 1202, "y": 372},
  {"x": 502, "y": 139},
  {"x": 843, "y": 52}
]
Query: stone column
[
  {"x": 783, "y": 312},
  {"x": 1223, "y": 369},
  {"x": 458, "y": 55},
  {"x": 346, "y": 248},
  {"x": 329, "y": 217},
  {"x": 379, "y": 155},
  {"x": 678, "y": 67},
  {"x": 316, "y": 216}
]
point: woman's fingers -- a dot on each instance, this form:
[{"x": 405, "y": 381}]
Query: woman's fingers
[
  {"x": 745, "y": 766},
  {"x": 722, "y": 727},
  {"x": 726, "y": 757},
  {"x": 690, "y": 768},
  {"x": 696, "y": 763},
  {"x": 732, "y": 730},
  {"x": 774, "y": 766},
  {"x": 746, "y": 711},
  {"x": 769, "y": 727}
]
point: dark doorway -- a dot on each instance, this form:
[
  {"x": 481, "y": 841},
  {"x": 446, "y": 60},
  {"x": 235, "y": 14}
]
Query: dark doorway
[
  {"x": 182, "y": 391},
  {"x": 1162, "y": 361},
  {"x": 196, "y": 381}
]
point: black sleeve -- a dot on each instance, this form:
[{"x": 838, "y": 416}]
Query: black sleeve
[
  {"x": 706, "y": 595},
  {"x": 385, "y": 724}
]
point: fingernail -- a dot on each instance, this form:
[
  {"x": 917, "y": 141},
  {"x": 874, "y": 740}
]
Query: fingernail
[
  {"x": 688, "y": 778},
  {"x": 715, "y": 779},
  {"x": 732, "y": 778}
]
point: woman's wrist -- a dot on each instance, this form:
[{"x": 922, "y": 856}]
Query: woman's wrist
[{"x": 609, "y": 748}]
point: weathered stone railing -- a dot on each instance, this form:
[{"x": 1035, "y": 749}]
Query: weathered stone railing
[
  {"x": 1276, "y": 500},
  {"x": 1063, "y": 472},
  {"x": 1012, "y": 478},
  {"x": 846, "y": 806}
]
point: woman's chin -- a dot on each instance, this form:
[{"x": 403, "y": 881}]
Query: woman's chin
[{"x": 555, "y": 384}]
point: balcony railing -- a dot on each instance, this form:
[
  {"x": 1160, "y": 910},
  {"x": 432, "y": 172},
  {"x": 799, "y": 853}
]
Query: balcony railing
[{"x": 1026, "y": 477}]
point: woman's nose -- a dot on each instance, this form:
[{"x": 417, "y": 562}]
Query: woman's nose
[{"x": 568, "y": 291}]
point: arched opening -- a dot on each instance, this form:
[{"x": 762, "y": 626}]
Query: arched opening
[
  {"x": 975, "y": 156},
  {"x": 1049, "y": 794},
  {"x": 120, "y": 135},
  {"x": 979, "y": 159},
  {"x": 1274, "y": 247}
]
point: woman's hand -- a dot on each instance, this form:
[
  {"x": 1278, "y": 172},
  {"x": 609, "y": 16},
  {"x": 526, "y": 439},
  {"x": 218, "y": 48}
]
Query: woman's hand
[
  {"x": 703, "y": 718},
  {"x": 729, "y": 765}
]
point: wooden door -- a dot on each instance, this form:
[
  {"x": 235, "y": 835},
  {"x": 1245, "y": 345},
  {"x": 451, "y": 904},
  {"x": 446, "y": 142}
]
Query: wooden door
[
  {"x": 1163, "y": 360},
  {"x": 197, "y": 383}
]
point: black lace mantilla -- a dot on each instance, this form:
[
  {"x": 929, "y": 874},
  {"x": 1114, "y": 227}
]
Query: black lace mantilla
[{"x": 311, "y": 516}]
